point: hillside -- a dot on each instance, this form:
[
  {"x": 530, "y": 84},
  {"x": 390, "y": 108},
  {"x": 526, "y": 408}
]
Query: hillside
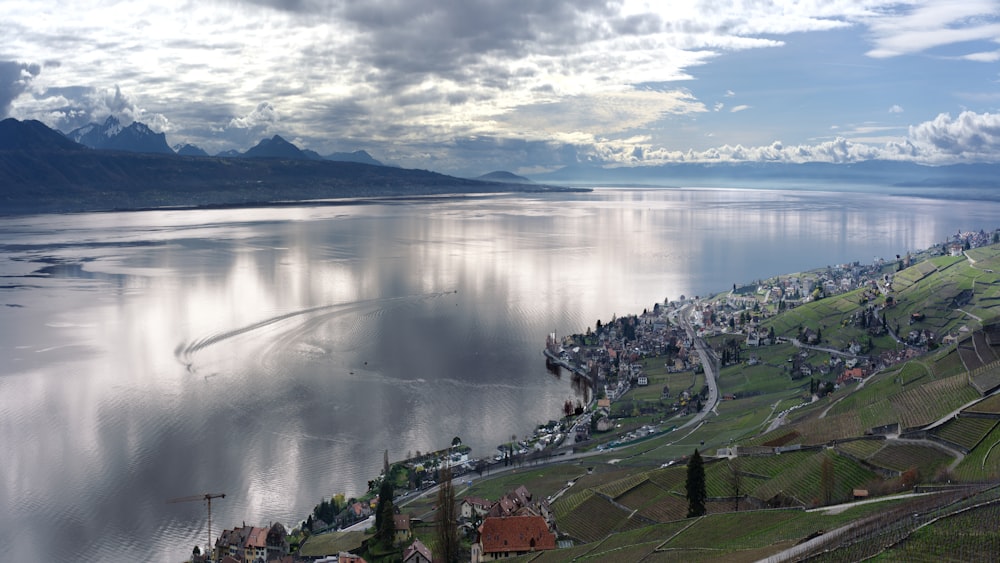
[{"x": 924, "y": 412}]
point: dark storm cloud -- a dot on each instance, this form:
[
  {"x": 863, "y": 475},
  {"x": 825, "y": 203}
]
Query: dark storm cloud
[
  {"x": 405, "y": 39},
  {"x": 14, "y": 80}
]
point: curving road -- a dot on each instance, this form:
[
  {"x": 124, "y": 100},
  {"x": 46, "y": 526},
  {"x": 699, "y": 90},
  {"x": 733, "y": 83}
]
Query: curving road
[{"x": 708, "y": 361}]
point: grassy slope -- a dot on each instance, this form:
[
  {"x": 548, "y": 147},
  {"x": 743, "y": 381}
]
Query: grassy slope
[{"x": 615, "y": 506}]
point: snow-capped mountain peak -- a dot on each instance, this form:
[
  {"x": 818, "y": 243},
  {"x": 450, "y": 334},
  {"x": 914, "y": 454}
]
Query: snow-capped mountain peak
[{"x": 137, "y": 137}]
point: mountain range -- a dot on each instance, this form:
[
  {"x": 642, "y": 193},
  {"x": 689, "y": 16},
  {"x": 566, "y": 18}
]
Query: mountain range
[
  {"x": 138, "y": 137},
  {"x": 110, "y": 166},
  {"x": 42, "y": 170},
  {"x": 112, "y": 136}
]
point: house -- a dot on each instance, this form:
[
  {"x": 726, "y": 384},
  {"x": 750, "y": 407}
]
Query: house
[
  {"x": 500, "y": 538},
  {"x": 854, "y": 374},
  {"x": 642, "y": 381},
  {"x": 474, "y": 506},
  {"x": 248, "y": 543},
  {"x": 417, "y": 552},
  {"x": 402, "y": 523}
]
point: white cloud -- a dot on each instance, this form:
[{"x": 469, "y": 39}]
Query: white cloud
[
  {"x": 739, "y": 108},
  {"x": 718, "y": 106},
  {"x": 72, "y": 107},
  {"x": 983, "y": 57},
  {"x": 730, "y": 93},
  {"x": 930, "y": 24},
  {"x": 970, "y": 137},
  {"x": 895, "y": 108},
  {"x": 264, "y": 115}
]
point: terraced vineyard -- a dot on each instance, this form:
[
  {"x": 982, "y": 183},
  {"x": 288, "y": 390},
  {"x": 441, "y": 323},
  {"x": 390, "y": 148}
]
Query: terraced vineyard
[
  {"x": 984, "y": 461},
  {"x": 989, "y": 405},
  {"x": 799, "y": 483},
  {"x": 835, "y": 427},
  {"x": 595, "y": 518},
  {"x": 616, "y": 488},
  {"x": 669, "y": 478},
  {"x": 965, "y": 431},
  {"x": 773, "y": 465},
  {"x": 929, "y": 402},
  {"x": 986, "y": 378},
  {"x": 654, "y": 533},
  {"x": 667, "y": 508},
  {"x": 927, "y": 459},
  {"x": 641, "y": 495},
  {"x": 971, "y": 535},
  {"x": 861, "y": 449}
]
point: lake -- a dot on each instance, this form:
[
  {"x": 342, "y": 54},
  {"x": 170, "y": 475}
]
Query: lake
[{"x": 274, "y": 354}]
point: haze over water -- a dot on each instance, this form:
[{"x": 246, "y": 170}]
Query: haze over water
[{"x": 273, "y": 354}]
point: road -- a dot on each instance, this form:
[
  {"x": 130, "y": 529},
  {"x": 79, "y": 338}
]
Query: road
[{"x": 708, "y": 361}]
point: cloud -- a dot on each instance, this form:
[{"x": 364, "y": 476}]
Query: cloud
[
  {"x": 929, "y": 24},
  {"x": 895, "y": 108},
  {"x": 263, "y": 116},
  {"x": 983, "y": 57},
  {"x": 414, "y": 73},
  {"x": 69, "y": 107},
  {"x": 969, "y": 137},
  {"x": 14, "y": 80}
]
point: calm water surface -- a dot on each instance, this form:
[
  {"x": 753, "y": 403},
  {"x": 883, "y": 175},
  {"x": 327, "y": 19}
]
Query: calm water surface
[{"x": 274, "y": 354}]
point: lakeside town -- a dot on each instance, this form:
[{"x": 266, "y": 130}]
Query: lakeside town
[{"x": 622, "y": 366}]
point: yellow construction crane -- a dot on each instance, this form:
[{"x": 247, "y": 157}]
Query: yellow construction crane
[{"x": 207, "y": 497}]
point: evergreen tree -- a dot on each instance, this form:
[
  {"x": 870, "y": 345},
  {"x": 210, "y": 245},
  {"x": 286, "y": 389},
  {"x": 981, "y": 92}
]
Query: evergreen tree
[
  {"x": 384, "y": 498},
  {"x": 695, "y": 485},
  {"x": 447, "y": 547},
  {"x": 386, "y": 534}
]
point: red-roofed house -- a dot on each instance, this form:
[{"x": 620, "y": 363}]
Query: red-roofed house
[
  {"x": 248, "y": 543},
  {"x": 255, "y": 546},
  {"x": 500, "y": 538},
  {"x": 856, "y": 374}
]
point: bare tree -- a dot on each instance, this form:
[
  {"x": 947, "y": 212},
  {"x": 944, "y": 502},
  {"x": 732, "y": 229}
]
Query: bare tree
[
  {"x": 736, "y": 481},
  {"x": 447, "y": 548}
]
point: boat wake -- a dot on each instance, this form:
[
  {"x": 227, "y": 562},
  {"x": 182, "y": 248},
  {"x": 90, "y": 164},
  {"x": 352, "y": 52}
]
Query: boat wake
[{"x": 305, "y": 321}]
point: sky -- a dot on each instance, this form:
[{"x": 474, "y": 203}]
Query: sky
[{"x": 471, "y": 86}]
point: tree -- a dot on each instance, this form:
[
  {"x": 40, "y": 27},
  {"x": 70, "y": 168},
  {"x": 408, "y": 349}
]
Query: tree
[
  {"x": 456, "y": 441},
  {"x": 387, "y": 532},
  {"x": 447, "y": 548},
  {"x": 384, "y": 499},
  {"x": 695, "y": 485},
  {"x": 736, "y": 481}
]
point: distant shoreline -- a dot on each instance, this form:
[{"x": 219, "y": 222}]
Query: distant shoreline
[{"x": 19, "y": 210}]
